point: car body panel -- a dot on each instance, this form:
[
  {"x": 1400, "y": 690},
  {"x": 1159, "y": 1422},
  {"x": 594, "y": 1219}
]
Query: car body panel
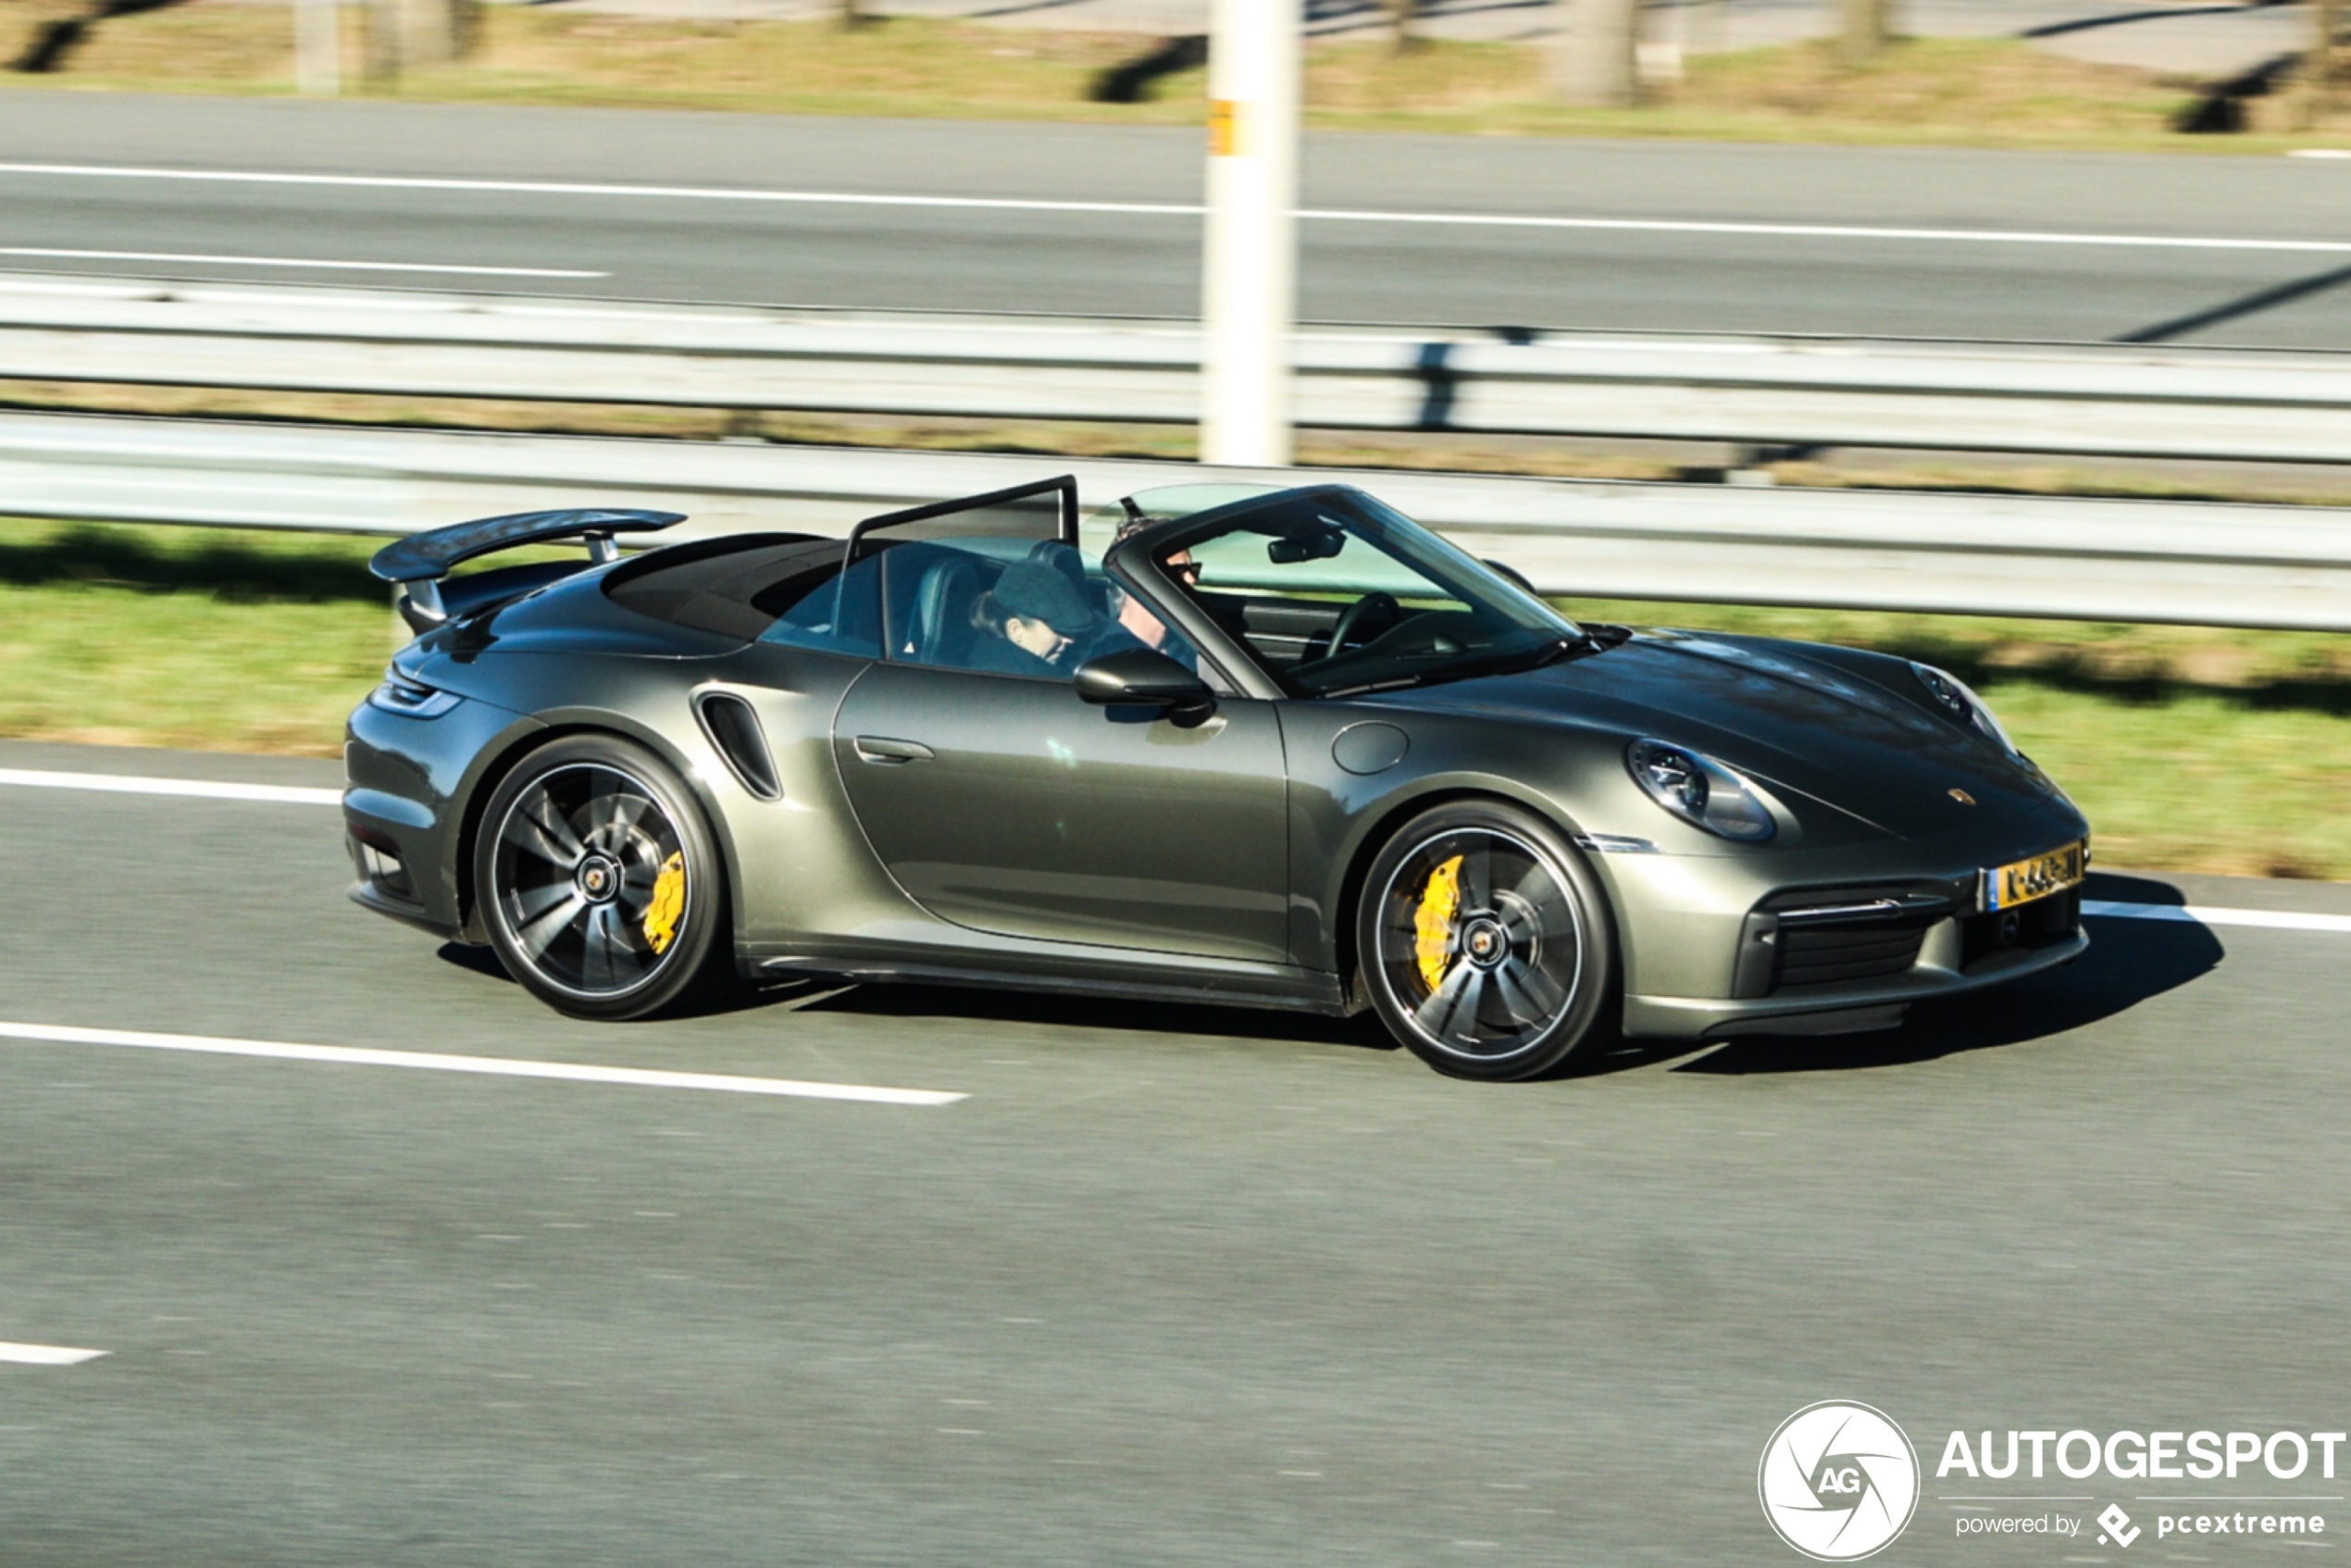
[
  {"x": 1046, "y": 841},
  {"x": 1014, "y": 806}
]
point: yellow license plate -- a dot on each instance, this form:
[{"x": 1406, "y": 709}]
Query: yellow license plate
[{"x": 2035, "y": 878}]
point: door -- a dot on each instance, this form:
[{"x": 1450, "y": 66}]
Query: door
[
  {"x": 1007, "y": 804},
  {"x": 999, "y": 800}
]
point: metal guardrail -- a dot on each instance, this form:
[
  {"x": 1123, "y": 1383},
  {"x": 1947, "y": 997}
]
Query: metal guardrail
[
  {"x": 2250, "y": 565},
  {"x": 2087, "y": 400}
]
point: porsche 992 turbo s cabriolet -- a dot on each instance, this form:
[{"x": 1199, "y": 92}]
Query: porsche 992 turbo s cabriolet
[{"x": 1277, "y": 747}]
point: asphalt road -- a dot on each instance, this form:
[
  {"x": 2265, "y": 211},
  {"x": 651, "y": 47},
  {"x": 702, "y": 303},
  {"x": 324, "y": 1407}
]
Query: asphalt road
[
  {"x": 2100, "y": 256},
  {"x": 1170, "y": 1287}
]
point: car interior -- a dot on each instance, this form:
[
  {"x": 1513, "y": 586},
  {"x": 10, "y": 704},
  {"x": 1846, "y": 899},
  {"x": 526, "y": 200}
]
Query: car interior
[{"x": 1311, "y": 592}]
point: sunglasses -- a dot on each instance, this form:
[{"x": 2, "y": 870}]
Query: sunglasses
[{"x": 1188, "y": 570}]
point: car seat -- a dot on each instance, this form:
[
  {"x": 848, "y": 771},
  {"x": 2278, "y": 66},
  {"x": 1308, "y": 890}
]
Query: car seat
[{"x": 942, "y": 611}]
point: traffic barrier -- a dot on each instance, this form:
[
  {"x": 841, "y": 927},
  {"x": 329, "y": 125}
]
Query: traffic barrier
[
  {"x": 2080, "y": 400},
  {"x": 2194, "y": 563}
]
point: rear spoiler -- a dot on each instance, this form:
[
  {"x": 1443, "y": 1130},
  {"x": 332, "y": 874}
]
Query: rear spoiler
[{"x": 422, "y": 560}]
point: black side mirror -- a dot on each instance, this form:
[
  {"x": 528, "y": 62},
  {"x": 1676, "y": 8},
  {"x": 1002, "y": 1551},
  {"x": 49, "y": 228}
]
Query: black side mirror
[{"x": 1145, "y": 678}]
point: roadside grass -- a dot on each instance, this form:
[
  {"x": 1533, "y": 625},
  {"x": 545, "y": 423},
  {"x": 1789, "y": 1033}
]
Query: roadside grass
[
  {"x": 1940, "y": 91},
  {"x": 2192, "y": 749},
  {"x": 210, "y": 639}
]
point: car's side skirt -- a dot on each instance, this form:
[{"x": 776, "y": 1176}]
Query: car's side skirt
[{"x": 1294, "y": 990}]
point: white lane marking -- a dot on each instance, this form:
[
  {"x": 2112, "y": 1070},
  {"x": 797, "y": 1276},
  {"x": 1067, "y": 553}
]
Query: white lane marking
[
  {"x": 45, "y": 1356},
  {"x": 494, "y": 1066},
  {"x": 285, "y": 794},
  {"x": 1174, "y": 209},
  {"x": 2207, "y": 914},
  {"x": 1838, "y": 232},
  {"x": 586, "y": 188},
  {"x": 301, "y": 261},
  {"x": 2319, "y": 152},
  {"x": 125, "y": 784}
]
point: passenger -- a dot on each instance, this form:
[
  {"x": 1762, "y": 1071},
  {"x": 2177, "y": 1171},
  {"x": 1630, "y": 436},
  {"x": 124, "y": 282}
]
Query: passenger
[
  {"x": 1036, "y": 623},
  {"x": 1146, "y": 627}
]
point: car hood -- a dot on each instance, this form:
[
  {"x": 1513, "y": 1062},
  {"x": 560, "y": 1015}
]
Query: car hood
[{"x": 1779, "y": 712}]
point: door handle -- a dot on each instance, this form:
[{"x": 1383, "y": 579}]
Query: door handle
[{"x": 886, "y": 752}]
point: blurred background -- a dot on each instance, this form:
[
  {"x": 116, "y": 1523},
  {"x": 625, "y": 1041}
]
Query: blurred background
[
  {"x": 2027, "y": 252},
  {"x": 2011, "y": 335}
]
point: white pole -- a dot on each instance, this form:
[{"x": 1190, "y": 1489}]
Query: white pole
[
  {"x": 317, "y": 48},
  {"x": 1249, "y": 295}
]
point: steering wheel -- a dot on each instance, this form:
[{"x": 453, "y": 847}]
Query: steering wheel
[{"x": 1373, "y": 606}]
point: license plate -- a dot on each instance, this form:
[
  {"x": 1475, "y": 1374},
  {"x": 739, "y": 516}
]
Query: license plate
[{"x": 2035, "y": 878}]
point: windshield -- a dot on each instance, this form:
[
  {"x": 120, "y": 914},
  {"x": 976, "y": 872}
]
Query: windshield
[{"x": 1336, "y": 594}]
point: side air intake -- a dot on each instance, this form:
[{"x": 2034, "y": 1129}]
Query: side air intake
[{"x": 734, "y": 730}]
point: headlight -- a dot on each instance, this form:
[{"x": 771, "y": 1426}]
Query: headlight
[
  {"x": 410, "y": 699},
  {"x": 1952, "y": 695},
  {"x": 1700, "y": 790}
]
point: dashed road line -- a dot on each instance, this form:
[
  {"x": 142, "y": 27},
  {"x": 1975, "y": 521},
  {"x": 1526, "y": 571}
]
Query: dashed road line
[
  {"x": 284, "y": 794},
  {"x": 203, "y": 788},
  {"x": 493, "y": 1066},
  {"x": 309, "y": 262},
  {"x": 45, "y": 1356},
  {"x": 1169, "y": 209},
  {"x": 2211, "y": 914}
]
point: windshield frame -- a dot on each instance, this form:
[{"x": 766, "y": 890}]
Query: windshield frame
[{"x": 1468, "y": 579}]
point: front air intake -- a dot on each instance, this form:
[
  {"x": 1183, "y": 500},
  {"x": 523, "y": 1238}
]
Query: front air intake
[{"x": 734, "y": 730}]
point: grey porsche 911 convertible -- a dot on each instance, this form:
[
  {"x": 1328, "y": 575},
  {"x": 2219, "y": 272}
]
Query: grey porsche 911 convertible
[{"x": 1277, "y": 747}]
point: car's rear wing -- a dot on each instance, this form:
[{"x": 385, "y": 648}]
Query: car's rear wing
[{"x": 422, "y": 560}]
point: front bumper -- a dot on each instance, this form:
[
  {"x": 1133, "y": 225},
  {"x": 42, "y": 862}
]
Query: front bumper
[
  {"x": 1786, "y": 942},
  {"x": 1855, "y": 1006}
]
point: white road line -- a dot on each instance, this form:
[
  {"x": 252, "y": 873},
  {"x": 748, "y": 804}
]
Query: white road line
[
  {"x": 1839, "y": 231},
  {"x": 493, "y": 1066},
  {"x": 2207, "y": 914},
  {"x": 123, "y": 784},
  {"x": 582, "y": 188},
  {"x": 1177, "y": 209},
  {"x": 285, "y": 794},
  {"x": 45, "y": 1356},
  {"x": 301, "y": 261}
]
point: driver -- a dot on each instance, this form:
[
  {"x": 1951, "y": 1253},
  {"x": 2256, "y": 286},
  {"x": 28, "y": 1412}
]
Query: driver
[
  {"x": 1139, "y": 623},
  {"x": 1034, "y": 619}
]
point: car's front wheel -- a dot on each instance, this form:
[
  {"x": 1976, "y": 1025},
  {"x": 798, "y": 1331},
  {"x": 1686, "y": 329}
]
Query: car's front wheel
[
  {"x": 1485, "y": 943},
  {"x": 598, "y": 880}
]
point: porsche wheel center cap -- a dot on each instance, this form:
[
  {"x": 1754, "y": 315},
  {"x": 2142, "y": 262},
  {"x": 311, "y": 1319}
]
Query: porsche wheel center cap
[
  {"x": 598, "y": 878},
  {"x": 1484, "y": 941}
]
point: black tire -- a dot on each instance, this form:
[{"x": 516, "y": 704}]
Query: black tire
[
  {"x": 600, "y": 884},
  {"x": 1485, "y": 943}
]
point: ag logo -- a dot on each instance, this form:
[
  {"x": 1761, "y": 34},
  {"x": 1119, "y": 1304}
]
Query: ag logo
[{"x": 1838, "y": 1481}]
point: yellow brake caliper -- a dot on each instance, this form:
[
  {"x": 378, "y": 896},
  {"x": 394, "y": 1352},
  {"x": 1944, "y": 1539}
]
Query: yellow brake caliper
[
  {"x": 1441, "y": 900},
  {"x": 669, "y": 902}
]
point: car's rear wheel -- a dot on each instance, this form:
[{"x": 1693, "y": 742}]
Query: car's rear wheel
[
  {"x": 599, "y": 882},
  {"x": 1485, "y": 943}
]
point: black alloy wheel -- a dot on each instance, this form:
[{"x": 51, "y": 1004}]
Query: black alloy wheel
[
  {"x": 1485, "y": 942},
  {"x": 598, "y": 881}
]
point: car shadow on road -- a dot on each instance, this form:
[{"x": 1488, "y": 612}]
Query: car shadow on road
[
  {"x": 2130, "y": 960},
  {"x": 484, "y": 961},
  {"x": 911, "y": 1001}
]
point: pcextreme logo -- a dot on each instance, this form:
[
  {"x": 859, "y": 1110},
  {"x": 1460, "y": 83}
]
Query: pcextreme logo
[{"x": 1839, "y": 1481}]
